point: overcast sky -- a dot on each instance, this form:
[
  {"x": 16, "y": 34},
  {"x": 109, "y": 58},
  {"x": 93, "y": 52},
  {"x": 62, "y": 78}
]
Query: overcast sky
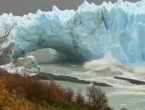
[{"x": 20, "y": 7}]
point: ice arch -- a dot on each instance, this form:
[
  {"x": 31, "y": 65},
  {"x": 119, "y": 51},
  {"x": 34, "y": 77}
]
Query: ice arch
[
  {"x": 85, "y": 34},
  {"x": 49, "y": 56}
]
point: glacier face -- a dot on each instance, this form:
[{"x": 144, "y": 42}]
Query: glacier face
[
  {"x": 85, "y": 34},
  {"x": 24, "y": 66}
]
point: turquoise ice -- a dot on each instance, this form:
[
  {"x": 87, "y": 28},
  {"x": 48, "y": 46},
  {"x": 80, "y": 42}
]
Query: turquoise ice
[{"x": 85, "y": 34}]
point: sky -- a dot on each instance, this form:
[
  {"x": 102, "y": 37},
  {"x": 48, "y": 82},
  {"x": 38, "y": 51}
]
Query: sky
[{"x": 21, "y": 7}]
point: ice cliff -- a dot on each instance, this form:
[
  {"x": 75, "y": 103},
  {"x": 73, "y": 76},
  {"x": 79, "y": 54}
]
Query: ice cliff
[{"x": 85, "y": 34}]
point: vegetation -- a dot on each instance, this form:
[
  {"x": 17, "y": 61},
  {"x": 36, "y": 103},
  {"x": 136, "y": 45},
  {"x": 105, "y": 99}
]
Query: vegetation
[
  {"x": 29, "y": 93},
  {"x": 9, "y": 100},
  {"x": 97, "y": 98}
]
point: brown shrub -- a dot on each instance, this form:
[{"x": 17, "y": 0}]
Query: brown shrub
[
  {"x": 80, "y": 99},
  {"x": 46, "y": 94},
  {"x": 97, "y": 98},
  {"x": 69, "y": 95},
  {"x": 9, "y": 100},
  {"x": 34, "y": 90}
]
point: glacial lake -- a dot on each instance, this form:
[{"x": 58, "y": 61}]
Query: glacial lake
[{"x": 122, "y": 94}]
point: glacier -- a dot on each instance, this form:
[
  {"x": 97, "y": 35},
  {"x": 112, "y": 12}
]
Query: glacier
[
  {"x": 84, "y": 35},
  {"x": 23, "y": 66}
]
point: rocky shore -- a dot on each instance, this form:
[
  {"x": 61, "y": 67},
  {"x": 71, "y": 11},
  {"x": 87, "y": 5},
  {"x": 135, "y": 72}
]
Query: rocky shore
[
  {"x": 49, "y": 76},
  {"x": 133, "y": 81}
]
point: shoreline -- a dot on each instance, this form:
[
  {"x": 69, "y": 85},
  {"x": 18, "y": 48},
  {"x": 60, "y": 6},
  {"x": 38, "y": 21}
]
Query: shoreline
[{"x": 49, "y": 76}]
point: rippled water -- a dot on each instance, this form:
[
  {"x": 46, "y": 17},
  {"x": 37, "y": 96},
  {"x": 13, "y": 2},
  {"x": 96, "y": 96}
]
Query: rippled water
[{"x": 122, "y": 94}]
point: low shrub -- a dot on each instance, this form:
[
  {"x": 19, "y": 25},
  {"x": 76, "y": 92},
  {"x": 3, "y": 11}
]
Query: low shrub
[
  {"x": 30, "y": 93},
  {"x": 97, "y": 98}
]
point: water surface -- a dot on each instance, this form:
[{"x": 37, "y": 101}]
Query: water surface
[{"x": 123, "y": 93}]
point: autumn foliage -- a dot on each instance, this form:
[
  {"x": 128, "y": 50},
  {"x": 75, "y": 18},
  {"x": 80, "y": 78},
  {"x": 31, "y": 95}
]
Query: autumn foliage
[
  {"x": 32, "y": 89},
  {"x": 9, "y": 100},
  {"x": 30, "y": 93}
]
